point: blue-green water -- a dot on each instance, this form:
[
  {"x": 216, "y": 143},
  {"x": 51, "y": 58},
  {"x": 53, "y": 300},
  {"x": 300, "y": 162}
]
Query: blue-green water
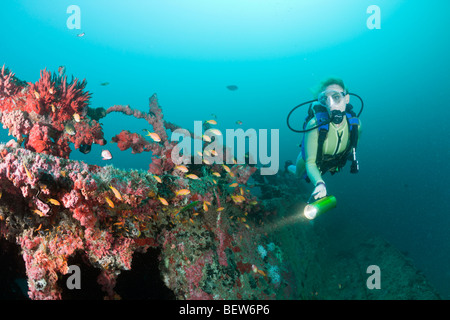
[{"x": 189, "y": 51}]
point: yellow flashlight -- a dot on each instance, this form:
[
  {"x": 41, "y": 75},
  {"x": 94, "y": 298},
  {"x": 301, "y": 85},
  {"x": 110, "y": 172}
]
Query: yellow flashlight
[{"x": 313, "y": 210}]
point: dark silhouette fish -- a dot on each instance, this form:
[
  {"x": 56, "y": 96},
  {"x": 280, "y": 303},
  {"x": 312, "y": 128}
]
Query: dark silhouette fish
[{"x": 232, "y": 87}]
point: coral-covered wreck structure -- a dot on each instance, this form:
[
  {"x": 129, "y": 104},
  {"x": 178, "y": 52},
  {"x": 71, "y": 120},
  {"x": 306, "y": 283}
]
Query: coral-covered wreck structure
[{"x": 215, "y": 239}]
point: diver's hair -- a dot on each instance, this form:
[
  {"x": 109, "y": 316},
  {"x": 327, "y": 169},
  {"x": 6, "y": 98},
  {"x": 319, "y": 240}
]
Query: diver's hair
[{"x": 328, "y": 82}]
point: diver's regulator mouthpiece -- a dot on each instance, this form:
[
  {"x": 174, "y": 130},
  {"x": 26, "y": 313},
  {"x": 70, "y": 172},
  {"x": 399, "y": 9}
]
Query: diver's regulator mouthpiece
[{"x": 315, "y": 209}]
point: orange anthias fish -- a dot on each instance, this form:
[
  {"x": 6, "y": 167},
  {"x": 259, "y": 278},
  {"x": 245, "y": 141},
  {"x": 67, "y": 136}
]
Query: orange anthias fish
[
  {"x": 211, "y": 121},
  {"x": 182, "y": 168},
  {"x": 109, "y": 202},
  {"x": 206, "y": 138},
  {"x": 216, "y": 132},
  {"x": 158, "y": 179},
  {"x": 153, "y": 135},
  {"x": 192, "y": 176},
  {"x": 54, "y": 202},
  {"x": 238, "y": 198},
  {"x": 30, "y": 176},
  {"x": 39, "y": 212},
  {"x": 163, "y": 201},
  {"x": 214, "y": 153},
  {"x": 116, "y": 193},
  {"x": 182, "y": 192}
]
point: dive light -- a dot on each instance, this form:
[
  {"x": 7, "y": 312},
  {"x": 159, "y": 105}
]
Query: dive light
[{"x": 313, "y": 210}]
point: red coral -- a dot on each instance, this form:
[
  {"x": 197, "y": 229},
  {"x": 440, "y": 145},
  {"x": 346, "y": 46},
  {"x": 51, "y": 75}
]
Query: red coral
[
  {"x": 39, "y": 139},
  {"x": 135, "y": 141},
  {"x": 52, "y": 104}
]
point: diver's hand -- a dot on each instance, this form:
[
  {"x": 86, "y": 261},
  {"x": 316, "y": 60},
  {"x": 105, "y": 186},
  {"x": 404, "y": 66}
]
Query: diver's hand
[{"x": 320, "y": 191}]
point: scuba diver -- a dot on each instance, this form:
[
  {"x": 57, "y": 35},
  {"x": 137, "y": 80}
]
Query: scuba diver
[{"x": 331, "y": 133}]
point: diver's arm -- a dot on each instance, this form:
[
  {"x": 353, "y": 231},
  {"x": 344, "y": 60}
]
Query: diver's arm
[{"x": 311, "y": 145}]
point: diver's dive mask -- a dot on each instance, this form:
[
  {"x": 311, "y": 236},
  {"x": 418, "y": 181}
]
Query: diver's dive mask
[
  {"x": 330, "y": 97},
  {"x": 326, "y": 97}
]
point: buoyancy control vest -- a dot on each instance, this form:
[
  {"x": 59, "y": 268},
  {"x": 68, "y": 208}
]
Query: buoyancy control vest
[{"x": 335, "y": 162}]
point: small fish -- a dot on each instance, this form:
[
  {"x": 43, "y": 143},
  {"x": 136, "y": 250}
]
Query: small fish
[
  {"x": 39, "y": 228},
  {"x": 182, "y": 192},
  {"x": 76, "y": 117},
  {"x": 116, "y": 193},
  {"x": 205, "y": 161},
  {"x": 247, "y": 226},
  {"x": 233, "y": 185},
  {"x": 54, "y": 202},
  {"x": 215, "y": 182},
  {"x": 182, "y": 168},
  {"x": 30, "y": 176},
  {"x": 190, "y": 219},
  {"x": 81, "y": 35},
  {"x": 261, "y": 272},
  {"x": 232, "y": 87},
  {"x": 227, "y": 169},
  {"x": 192, "y": 176},
  {"x": 104, "y": 84},
  {"x": 214, "y": 153},
  {"x": 199, "y": 153},
  {"x": 205, "y": 206},
  {"x": 53, "y": 108},
  {"x": 163, "y": 201},
  {"x": 254, "y": 203},
  {"x": 39, "y": 212},
  {"x": 85, "y": 148},
  {"x": 106, "y": 155},
  {"x": 237, "y": 199},
  {"x": 51, "y": 91},
  {"x": 207, "y": 153},
  {"x": 153, "y": 135},
  {"x": 70, "y": 129},
  {"x": 220, "y": 209},
  {"x": 1, "y": 193},
  {"x": 190, "y": 205},
  {"x": 36, "y": 94},
  {"x": 216, "y": 132},
  {"x": 254, "y": 268},
  {"x": 239, "y": 122},
  {"x": 61, "y": 70},
  {"x": 109, "y": 202},
  {"x": 216, "y": 174},
  {"x": 206, "y": 138},
  {"x": 211, "y": 121},
  {"x": 158, "y": 179}
]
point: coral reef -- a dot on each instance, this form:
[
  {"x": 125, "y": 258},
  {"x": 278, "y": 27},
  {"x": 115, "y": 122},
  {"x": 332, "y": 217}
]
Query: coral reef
[
  {"x": 215, "y": 238},
  {"x": 48, "y": 115}
]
